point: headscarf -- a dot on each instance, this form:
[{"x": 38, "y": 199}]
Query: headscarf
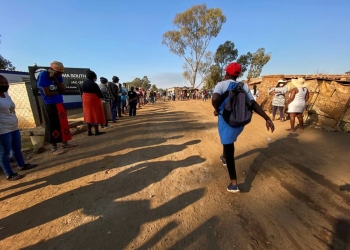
[{"x": 90, "y": 75}]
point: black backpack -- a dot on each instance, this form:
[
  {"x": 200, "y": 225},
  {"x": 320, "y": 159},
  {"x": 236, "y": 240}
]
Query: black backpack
[{"x": 238, "y": 109}]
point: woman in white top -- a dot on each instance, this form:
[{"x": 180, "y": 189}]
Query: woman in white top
[
  {"x": 10, "y": 137},
  {"x": 297, "y": 101}
]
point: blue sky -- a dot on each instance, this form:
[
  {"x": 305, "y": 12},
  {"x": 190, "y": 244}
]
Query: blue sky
[{"x": 124, "y": 38}]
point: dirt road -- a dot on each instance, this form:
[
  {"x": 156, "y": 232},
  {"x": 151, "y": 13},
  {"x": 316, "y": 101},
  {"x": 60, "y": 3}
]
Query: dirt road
[{"x": 155, "y": 181}]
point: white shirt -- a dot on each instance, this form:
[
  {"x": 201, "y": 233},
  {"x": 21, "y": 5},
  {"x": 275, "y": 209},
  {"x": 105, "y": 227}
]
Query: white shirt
[
  {"x": 8, "y": 118},
  {"x": 221, "y": 87}
]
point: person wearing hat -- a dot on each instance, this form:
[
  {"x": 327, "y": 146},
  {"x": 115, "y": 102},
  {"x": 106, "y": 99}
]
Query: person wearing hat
[
  {"x": 297, "y": 102},
  {"x": 51, "y": 87},
  {"x": 228, "y": 135},
  {"x": 106, "y": 101},
  {"x": 279, "y": 100}
]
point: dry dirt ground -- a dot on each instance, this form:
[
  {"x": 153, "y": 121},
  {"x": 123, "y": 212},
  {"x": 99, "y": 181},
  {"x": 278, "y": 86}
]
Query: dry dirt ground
[{"x": 155, "y": 181}]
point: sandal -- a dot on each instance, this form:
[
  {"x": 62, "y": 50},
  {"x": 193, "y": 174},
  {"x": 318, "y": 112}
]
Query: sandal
[
  {"x": 27, "y": 166},
  {"x": 14, "y": 177},
  {"x": 223, "y": 160}
]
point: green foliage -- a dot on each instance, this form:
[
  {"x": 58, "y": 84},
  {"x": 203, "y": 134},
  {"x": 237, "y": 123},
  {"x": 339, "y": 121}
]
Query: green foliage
[
  {"x": 213, "y": 78},
  {"x": 6, "y": 64},
  {"x": 225, "y": 54},
  {"x": 258, "y": 61},
  {"x": 140, "y": 83},
  {"x": 195, "y": 28},
  {"x": 154, "y": 87},
  {"x": 244, "y": 60}
]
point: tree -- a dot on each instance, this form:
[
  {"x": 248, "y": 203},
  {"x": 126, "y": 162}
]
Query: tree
[
  {"x": 137, "y": 82},
  {"x": 195, "y": 28},
  {"x": 154, "y": 87},
  {"x": 244, "y": 60},
  {"x": 225, "y": 54},
  {"x": 214, "y": 77},
  {"x": 258, "y": 61},
  {"x": 6, "y": 64},
  {"x": 146, "y": 84}
]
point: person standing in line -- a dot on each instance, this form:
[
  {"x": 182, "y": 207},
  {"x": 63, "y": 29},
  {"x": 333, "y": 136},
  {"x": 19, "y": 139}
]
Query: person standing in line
[
  {"x": 106, "y": 100},
  {"x": 10, "y": 137},
  {"x": 123, "y": 98},
  {"x": 297, "y": 102},
  {"x": 228, "y": 135},
  {"x": 114, "y": 93},
  {"x": 51, "y": 87},
  {"x": 92, "y": 103},
  {"x": 115, "y": 80},
  {"x": 132, "y": 102},
  {"x": 279, "y": 100}
]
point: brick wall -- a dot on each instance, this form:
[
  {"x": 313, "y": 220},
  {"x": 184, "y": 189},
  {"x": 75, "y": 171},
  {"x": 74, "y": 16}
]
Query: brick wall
[{"x": 328, "y": 105}]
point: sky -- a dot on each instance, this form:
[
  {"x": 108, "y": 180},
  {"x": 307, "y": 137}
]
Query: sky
[{"x": 124, "y": 38}]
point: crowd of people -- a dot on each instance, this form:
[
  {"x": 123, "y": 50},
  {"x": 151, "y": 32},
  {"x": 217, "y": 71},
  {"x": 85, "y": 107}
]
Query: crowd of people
[{"x": 110, "y": 100}]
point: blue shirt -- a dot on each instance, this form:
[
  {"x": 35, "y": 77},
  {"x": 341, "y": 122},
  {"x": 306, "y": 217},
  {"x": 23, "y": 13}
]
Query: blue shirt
[
  {"x": 45, "y": 81},
  {"x": 124, "y": 96}
]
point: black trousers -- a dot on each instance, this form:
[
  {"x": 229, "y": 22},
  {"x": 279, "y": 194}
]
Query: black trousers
[
  {"x": 229, "y": 151},
  {"x": 132, "y": 110}
]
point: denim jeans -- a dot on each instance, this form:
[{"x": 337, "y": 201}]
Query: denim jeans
[
  {"x": 274, "y": 111},
  {"x": 119, "y": 106},
  {"x": 10, "y": 142},
  {"x": 114, "y": 110}
]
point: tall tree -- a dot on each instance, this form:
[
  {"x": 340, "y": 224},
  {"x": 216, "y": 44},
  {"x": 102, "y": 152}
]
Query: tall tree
[
  {"x": 225, "y": 54},
  {"x": 244, "y": 60},
  {"x": 146, "y": 84},
  {"x": 258, "y": 61},
  {"x": 137, "y": 82},
  {"x": 213, "y": 77},
  {"x": 195, "y": 28},
  {"x": 6, "y": 64},
  {"x": 154, "y": 87}
]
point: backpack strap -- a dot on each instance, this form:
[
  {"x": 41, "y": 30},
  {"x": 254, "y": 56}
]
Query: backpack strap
[{"x": 226, "y": 93}]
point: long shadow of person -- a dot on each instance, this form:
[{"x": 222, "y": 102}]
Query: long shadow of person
[
  {"x": 119, "y": 224},
  {"x": 95, "y": 197},
  {"x": 91, "y": 167},
  {"x": 264, "y": 155},
  {"x": 341, "y": 236}
]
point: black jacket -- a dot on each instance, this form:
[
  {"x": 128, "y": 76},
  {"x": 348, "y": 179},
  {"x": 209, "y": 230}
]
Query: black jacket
[{"x": 113, "y": 89}]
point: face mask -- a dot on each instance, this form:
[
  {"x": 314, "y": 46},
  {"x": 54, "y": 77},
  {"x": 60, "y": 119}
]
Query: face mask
[{"x": 4, "y": 88}]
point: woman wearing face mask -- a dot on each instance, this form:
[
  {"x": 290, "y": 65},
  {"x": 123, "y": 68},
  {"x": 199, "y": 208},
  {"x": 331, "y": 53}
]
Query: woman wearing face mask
[
  {"x": 279, "y": 100},
  {"x": 92, "y": 103},
  {"x": 10, "y": 137}
]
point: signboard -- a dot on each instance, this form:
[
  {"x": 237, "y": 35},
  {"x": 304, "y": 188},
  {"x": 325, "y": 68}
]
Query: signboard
[{"x": 71, "y": 76}]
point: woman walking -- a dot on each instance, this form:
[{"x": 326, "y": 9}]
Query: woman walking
[
  {"x": 279, "y": 100},
  {"x": 297, "y": 101}
]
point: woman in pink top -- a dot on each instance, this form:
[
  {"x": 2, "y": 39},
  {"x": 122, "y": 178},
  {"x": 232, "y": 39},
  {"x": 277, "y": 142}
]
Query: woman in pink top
[{"x": 297, "y": 102}]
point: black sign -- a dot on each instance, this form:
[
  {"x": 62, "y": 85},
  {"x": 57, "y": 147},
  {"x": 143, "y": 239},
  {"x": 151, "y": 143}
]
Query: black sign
[{"x": 73, "y": 78}]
